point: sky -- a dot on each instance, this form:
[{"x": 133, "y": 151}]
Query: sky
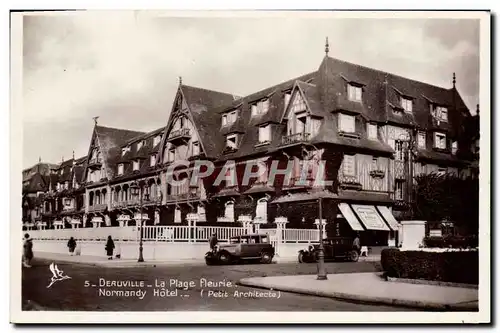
[{"x": 124, "y": 66}]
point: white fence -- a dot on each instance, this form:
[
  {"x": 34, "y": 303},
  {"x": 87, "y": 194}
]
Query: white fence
[{"x": 171, "y": 233}]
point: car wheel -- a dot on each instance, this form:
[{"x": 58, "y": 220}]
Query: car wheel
[
  {"x": 224, "y": 258},
  {"x": 266, "y": 258},
  {"x": 354, "y": 256},
  {"x": 301, "y": 257},
  {"x": 209, "y": 262}
]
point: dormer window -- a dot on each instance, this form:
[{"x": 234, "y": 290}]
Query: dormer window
[
  {"x": 407, "y": 104},
  {"x": 265, "y": 133},
  {"x": 421, "y": 140},
  {"x": 354, "y": 93},
  {"x": 440, "y": 140},
  {"x": 260, "y": 107},
  {"x": 125, "y": 150},
  {"x": 439, "y": 112},
  {"x": 156, "y": 140},
  {"x": 372, "y": 131},
  {"x": 152, "y": 160},
  {"x": 346, "y": 123},
  {"x": 135, "y": 165},
  {"x": 139, "y": 145},
  {"x": 232, "y": 141},
  {"x": 229, "y": 118},
  {"x": 288, "y": 96},
  {"x": 120, "y": 169}
]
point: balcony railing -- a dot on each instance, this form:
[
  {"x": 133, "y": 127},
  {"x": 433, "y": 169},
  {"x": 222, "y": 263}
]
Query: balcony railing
[
  {"x": 183, "y": 133},
  {"x": 183, "y": 196},
  {"x": 350, "y": 182},
  {"x": 95, "y": 162},
  {"x": 97, "y": 207},
  {"x": 295, "y": 138}
]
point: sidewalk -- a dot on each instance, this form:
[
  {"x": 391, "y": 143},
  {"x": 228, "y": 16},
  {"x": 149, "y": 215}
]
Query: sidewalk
[
  {"x": 372, "y": 288},
  {"x": 122, "y": 263}
]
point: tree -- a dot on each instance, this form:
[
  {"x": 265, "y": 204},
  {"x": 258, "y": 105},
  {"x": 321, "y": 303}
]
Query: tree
[{"x": 440, "y": 197}]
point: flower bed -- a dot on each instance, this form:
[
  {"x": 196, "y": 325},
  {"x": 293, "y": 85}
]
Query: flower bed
[
  {"x": 461, "y": 242},
  {"x": 450, "y": 266}
]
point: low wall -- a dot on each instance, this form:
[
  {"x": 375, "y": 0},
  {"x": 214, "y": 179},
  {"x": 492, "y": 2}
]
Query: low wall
[{"x": 151, "y": 250}]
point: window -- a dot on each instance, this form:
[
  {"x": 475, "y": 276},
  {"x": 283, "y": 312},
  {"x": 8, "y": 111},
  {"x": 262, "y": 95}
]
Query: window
[
  {"x": 152, "y": 160},
  {"x": 125, "y": 150},
  {"x": 156, "y": 140},
  {"x": 421, "y": 140},
  {"x": 374, "y": 163},
  {"x": 135, "y": 165},
  {"x": 177, "y": 215},
  {"x": 224, "y": 120},
  {"x": 66, "y": 185},
  {"x": 346, "y": 123},
  {"x": 441, "y": 113},
  {"x": 407, "y": 104},
  {"x": 399, "y": 150},
  {"x": 232, "y": 117},
  {"x": 260, "y": 107},
  {"x": 139, "y": 145},
  {"x": 196, "y": 148},
  {"x": 264, "y": 133},
  {"x": 120, "y": 169},
  {"x": 354, "y": 93},
  {"x": 171, "y": 155},
  {"x": 399, "y": 189},
  {"x": 454, "y": 147},
  {"x": 288, "y": 95},
  {"x": 372, "y": 131},
  {"x": 298, "y": 104},
  {"x": 440, "y": 140},
  {"x": 349, "y": 165},
  {"x": 232, "y": 141}
]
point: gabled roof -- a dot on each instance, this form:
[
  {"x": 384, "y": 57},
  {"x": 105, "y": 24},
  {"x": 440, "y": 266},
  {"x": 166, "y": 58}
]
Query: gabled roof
[
  {"x": 37, "y": 183},
  {"x": 110, "y": 141}
]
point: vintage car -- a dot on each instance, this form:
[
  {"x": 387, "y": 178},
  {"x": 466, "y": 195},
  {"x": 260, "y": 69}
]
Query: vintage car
[
  {"x": 334, "y": 249},
  {"x": 252, "y": 247}
]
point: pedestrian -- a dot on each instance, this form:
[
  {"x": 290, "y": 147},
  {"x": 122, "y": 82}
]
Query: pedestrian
[
  {"x": 72, "y": 246},
  {"x": 110, "y": 246},
  {"x": 28, "y": 251},
  {"x": 356, "y": 243},
  {"x": 213, "y": 241}
]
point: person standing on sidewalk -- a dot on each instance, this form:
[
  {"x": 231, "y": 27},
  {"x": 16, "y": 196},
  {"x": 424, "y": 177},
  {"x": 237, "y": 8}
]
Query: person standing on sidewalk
[
  {"x": 213, "y": 241},
  {"x": 110, "y": 246},
  {"x": 71, "y": 246},
  {"x": 27, "y": 251},
  {"x": 356, "y": 243}
]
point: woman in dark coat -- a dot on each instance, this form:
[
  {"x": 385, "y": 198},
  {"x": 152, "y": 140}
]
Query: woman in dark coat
[
  {"x": 27, "y": 251},
  {"x": 71, "y": 246},
  {"x": 110, "y": 246}
]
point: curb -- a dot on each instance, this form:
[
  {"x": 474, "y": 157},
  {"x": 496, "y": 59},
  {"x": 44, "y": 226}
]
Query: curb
[
  {"x": 363, "y": 299},
  {"x": 433, "y": 283}
]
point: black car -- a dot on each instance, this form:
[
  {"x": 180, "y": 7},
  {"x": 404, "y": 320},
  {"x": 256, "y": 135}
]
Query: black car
[
  {"x": 253, "y": 247},
  {"x": 336, "y": 248}
]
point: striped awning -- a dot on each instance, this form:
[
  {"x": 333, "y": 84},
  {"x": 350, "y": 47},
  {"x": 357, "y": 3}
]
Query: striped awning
[
  {"x": 137, "y": 217},
  {"x": 350, "y": 217},
  {"x": 96, "y": 219},
  {"x": 369, "y": 216},
  {"x": 123, "y": 217},
  {"x": 388, "y": 217},
  {"x": 58, "y": 222}
]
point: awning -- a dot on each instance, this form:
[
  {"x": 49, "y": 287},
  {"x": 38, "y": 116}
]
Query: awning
[
  {"x": 137, "y": 217},
  {"x": 389, "y": 218},
  {"x": 123, "y": 217},
  {"x": 309, "y": 196},
  {"x": 350, "y": 217},
  {"x": 58, "y": 222},
  {"x": 96, "y": 219},
  {"x": 370, "y": 217},
  {"x": 76, "y": 221}
]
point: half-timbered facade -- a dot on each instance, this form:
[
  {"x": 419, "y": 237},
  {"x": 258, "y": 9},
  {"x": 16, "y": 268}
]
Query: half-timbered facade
[{"x": 365, "y": 131}]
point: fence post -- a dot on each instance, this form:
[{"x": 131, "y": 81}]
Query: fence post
[
  {"x": 281, "y": 222},
  {"x": 246, "y": 220},
  {"x": 192, "y": 218}
]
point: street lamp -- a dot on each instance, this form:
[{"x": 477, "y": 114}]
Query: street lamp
[
  {"x": 136, "y": 189},
  {"x": 321, "y": 251}
]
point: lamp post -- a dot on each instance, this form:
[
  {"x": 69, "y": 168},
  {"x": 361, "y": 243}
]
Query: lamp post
[
  {"x": 321, "y": 251},
  {"x": 138, "y": 190}
]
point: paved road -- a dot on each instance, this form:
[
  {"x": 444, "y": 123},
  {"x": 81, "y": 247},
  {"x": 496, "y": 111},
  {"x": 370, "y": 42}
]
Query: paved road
[{"x": 72, "y": 294}]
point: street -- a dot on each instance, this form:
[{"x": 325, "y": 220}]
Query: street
[{"x": 183, "y": 287}]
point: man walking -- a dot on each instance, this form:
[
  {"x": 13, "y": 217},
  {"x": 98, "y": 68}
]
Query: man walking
[{"x": 213, "y": 241}]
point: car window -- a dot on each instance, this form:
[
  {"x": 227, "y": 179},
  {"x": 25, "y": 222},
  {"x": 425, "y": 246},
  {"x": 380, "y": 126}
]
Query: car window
[{"x": 234, "y": 240}]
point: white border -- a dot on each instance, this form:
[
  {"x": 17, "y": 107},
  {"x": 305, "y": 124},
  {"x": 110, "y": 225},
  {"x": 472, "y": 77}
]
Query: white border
[{"x": 260, "y": 317}]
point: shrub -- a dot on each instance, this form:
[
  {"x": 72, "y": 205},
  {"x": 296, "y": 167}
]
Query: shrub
[
  {"x": 459, "y": 242},
  {"x": 456, "y": 266}
]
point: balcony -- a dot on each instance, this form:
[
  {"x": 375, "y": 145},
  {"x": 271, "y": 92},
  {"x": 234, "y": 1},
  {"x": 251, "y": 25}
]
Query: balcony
[
  {"x": 295, "y": 138},
  {"x": 350, "y": 183},
  {"x": 179, "y": 136},
  {"x": 183, "y": 196},
  {"x": 97, "y": 207},
  {"x": 298, "y": 184},
  {"x": 95, "y": 163}
]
